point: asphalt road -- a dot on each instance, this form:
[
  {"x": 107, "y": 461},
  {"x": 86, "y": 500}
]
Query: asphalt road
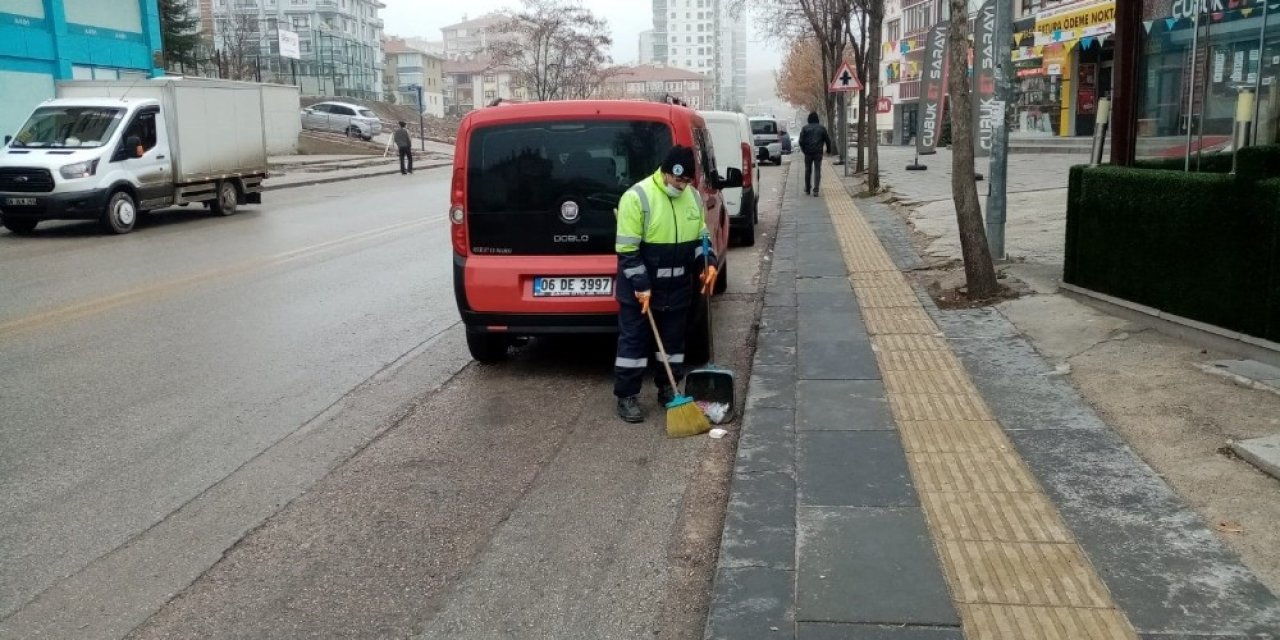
[{"x": 268, "y": 426}]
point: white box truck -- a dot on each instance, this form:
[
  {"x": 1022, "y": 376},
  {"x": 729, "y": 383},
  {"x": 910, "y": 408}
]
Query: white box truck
[{"x": 109, "y": 150}]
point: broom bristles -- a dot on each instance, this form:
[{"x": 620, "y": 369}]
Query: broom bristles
[{"x": 685, "y": 419}]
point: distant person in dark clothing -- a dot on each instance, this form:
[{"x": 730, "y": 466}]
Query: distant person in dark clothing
[
  {"x": 405, "y": 144},
  {"x": 813, "y": 140}
]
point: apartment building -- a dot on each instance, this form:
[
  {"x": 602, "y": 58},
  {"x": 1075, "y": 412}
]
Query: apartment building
[
  {"x": 473, "y": 83},
  {"x": 407, "y": 68},
  {"x": 340, "y": 41},
  {"x": 469, "y": 37},
  {"x": 646, "y": 47},
  {"x": 657, "y": 82},
  {"x": 706, "y": 37}
]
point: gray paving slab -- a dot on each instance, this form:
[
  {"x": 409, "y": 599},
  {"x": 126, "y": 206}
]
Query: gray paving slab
[
  {"x": 780, "y": 298},
  {"x": 781, "y": 286},
  {"x": 852, "y": 469},
  {"x": 846, "y": 631},
  {"x": 829, "y": 264},
  {"x": 752, "y": 602},
  {"x": 815, "y": 324},
  {"x": 760, "y": 522},
  {"x": 838, "y": 301},
  {"x": 1164, "y": 567},
  {"x": 842, "y": 405},
  {"x": 768, "y": 441},
  {"x": 836, "y": 360},
  {"x": 1016, "y": 381},
  {"x": 771, "y": 386},
  {"x": 1263, "y": 453},
  {"x": 868, "y": 566},
  {"x": 776, "y": 348},
  {"x": 823, "y": 285},
  {"x": 773, "y": 319},
  {"x": 1249, "y": 372}
]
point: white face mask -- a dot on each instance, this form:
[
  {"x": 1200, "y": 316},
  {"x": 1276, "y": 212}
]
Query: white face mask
[{"x": 674, "y": 192}]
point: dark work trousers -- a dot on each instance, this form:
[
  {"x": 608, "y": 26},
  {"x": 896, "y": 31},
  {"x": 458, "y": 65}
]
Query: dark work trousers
[
  {"x": 638, "y": 352},
  {"x": 406, "y": 159},
  {"x": 812, "y": 169}
]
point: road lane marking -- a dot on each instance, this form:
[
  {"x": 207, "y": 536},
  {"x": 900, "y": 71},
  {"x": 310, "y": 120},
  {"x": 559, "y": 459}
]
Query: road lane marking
[{"x": 157, "y": 290}]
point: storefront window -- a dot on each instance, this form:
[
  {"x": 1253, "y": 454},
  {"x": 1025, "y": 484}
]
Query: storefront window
[
  {"x": 1194, "y": 70},
  {"x": 1062, "y": 67}
]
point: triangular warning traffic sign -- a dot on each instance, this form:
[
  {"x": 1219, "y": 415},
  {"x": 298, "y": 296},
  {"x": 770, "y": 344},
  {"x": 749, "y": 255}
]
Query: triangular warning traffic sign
[{"x": 845, "y": 80}]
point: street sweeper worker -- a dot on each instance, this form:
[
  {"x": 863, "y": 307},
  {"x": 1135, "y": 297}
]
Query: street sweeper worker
[{"x": 661, "y": 220}]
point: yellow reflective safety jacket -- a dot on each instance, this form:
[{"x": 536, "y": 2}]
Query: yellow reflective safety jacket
[{"x": 659, "y": 243}]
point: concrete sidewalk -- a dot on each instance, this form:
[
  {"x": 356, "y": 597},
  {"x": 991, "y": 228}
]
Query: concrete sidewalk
[
  {"x": 881, "y": 492},
  {"x": 289, "y": 172}
]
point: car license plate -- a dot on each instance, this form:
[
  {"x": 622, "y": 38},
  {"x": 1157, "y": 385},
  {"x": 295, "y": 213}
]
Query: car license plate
[
  {"x": 572, "y": 286},
  {"x": 20, "y": 202}
]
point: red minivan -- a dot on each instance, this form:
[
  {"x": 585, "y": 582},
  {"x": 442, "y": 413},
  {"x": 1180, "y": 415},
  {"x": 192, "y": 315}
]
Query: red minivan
[{"x": 532, "y": 217}]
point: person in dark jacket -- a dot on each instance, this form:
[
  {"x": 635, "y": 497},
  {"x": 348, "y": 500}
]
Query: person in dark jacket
[
  {"x": 813, "y": 140},
  {"x": 405, "y": 144},
  {"x": 659, "y": 243}
]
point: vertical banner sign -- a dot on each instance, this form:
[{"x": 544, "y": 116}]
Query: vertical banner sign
[
  {"x": 985, "y": 119},
  {"x": 932, "y": 89}
]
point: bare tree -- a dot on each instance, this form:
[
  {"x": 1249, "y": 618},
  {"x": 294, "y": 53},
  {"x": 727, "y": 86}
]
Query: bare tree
[
  {"x": 823, "y": 21},
  {"x": 874, "y": 19},
  {"x": 556, "y": 48},
  {"x": 239, "y": 43},
  {"x": 979, "y": 270}
]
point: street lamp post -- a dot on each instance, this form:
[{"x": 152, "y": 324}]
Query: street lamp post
[{"x": 422, "y": 126}]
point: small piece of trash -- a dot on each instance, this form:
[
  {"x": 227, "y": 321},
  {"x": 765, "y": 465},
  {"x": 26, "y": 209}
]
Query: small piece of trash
[
  {"x": 717, "y": 433},
  {"x": 1060, "y": 370},
  {"x": 773, "y": 628},
  {"x": 716, "y": 412},
  {"x": 1230, "y": 526}
]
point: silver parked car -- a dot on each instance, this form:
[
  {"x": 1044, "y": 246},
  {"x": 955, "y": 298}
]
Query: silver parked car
[{"x": 351, "y": 119}]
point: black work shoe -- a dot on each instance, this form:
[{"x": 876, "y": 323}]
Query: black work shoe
[
  {"x": 806, "y": 192},
  {"x": 629, "y": 410},
  {"x": 666, "y": 395}
]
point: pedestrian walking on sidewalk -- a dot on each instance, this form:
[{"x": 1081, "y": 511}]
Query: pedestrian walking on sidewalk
[
  {"x": 659, "y": 243},
  {"x": 813, "y": 140},
  {"x": 405, "y": 144}
]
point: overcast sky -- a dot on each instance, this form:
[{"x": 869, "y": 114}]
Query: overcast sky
[{"x": 627, "y": 18}]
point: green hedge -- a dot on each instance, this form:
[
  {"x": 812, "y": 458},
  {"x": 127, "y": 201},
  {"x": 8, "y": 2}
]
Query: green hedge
[{"x": 1200, "y": 245}]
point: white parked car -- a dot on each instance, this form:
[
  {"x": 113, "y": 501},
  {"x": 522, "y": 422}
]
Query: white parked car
[
  {"x": 766, "y": 132},
  {"x": 731, "y": 139},
  {"x": 343, "y": 117}
]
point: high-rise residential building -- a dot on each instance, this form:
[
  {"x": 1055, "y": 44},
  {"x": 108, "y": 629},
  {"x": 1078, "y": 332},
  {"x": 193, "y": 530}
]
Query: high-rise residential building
[
  {"x": 646, "y": 47},
  {"x": 340, "y": 42},
  {"x": 706, "y": 37}
]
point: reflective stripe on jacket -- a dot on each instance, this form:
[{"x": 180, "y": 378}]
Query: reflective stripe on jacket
[{"x": 659, "y": 243}]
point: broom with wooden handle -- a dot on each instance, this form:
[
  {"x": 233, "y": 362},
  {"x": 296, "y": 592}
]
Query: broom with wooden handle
[{"x": 684, "y": 418}]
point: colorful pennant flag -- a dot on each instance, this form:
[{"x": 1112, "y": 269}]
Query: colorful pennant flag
[
  {"x": 1086, "y": 42},
  {"x": 1148, "y": 24},
  {"x": 1102, "y": 39}
]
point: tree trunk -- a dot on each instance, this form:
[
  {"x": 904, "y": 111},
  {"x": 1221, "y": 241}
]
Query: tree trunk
[
  {"x": 872, "y": 81},
  {"x": 979, "y": 270}
]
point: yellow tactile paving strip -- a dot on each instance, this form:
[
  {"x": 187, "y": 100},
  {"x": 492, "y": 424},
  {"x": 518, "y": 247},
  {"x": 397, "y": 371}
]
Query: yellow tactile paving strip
[{"x": 1014, "y": 570}]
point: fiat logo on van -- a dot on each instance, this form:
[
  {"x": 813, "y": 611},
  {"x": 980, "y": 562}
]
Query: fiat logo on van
[{"x": 569, "y": 211}]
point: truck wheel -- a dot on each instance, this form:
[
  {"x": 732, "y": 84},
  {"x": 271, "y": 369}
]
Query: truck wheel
[
  {"x": 19, "y": 226},
  {"x": 225, "y": 203},
  {"x": 121, "y": 213},
  {"x": 722, "y": 278},
  {"x": 487, "y": 348}
]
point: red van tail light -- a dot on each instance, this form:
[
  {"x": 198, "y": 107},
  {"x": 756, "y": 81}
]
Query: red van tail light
[
  {"x": 747, "y": 170},
  {"x": 458, "y": 211}
]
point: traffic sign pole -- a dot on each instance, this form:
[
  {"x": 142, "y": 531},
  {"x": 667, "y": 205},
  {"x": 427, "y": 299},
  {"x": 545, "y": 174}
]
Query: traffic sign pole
[{"x": 844, "y": 82}]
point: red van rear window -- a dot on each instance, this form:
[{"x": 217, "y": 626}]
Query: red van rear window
[{"x": 532, "y": 167}]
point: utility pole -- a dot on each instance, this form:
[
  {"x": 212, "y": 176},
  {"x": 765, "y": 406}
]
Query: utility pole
[
  {"x": 997, "y": 195},
  {"x": 422, "y": 126}
]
